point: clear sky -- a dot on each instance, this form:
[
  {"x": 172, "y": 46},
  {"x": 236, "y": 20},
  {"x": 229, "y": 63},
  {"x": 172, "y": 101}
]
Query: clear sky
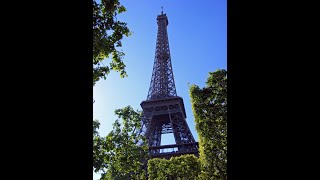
[{"x": 197, "y": 34}]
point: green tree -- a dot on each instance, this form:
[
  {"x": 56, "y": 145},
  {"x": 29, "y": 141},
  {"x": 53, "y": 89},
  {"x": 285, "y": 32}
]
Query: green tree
[
  {"x": 119, "y": 155},
  {"x": 99, "y": 149},
  {"x": 107, "y": 35},
  {"x": 186, "y": 167},
  {"x": 209, "y": 106}
]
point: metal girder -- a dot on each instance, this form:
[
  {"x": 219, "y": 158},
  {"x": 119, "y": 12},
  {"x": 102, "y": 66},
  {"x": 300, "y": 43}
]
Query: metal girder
[{"x": 162, "y": 82}]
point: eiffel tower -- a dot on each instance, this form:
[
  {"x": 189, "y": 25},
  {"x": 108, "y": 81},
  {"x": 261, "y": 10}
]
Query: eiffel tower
[{"x": 163, "y": 111}]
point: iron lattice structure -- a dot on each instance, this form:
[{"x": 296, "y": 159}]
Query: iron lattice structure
[{"x": 163, "y": 111}]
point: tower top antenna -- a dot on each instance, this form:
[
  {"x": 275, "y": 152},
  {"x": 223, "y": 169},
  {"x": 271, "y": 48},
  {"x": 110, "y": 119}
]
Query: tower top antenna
[{"x": 161, "y": 9}]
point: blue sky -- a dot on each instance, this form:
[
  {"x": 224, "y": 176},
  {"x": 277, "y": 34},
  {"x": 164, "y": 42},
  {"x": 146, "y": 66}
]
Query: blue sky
[{"x": 197, "y": 34}]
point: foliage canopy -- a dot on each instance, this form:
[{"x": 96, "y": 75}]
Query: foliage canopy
[
  {"x": 209, "y": 106},
  {"x": 118, "y": 155},
  {"x": 107, "y": 35}
]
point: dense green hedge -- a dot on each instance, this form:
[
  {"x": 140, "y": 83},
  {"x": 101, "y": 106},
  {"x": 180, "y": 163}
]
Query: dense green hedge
[
  {"x": 209, "y": 106},
  {"x": 186, "y": 167}
]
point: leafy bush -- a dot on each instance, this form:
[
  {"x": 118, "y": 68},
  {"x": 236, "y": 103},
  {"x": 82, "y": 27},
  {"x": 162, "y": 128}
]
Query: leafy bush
[
  {"x": 184, "y": 167},
  {"x": 209, "y": 106}
]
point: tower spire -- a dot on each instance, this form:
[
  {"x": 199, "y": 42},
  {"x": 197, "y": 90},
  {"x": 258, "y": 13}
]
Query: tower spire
[
  {"x": 161, "y": 10},
  {"x": 162, "y": 82}
]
